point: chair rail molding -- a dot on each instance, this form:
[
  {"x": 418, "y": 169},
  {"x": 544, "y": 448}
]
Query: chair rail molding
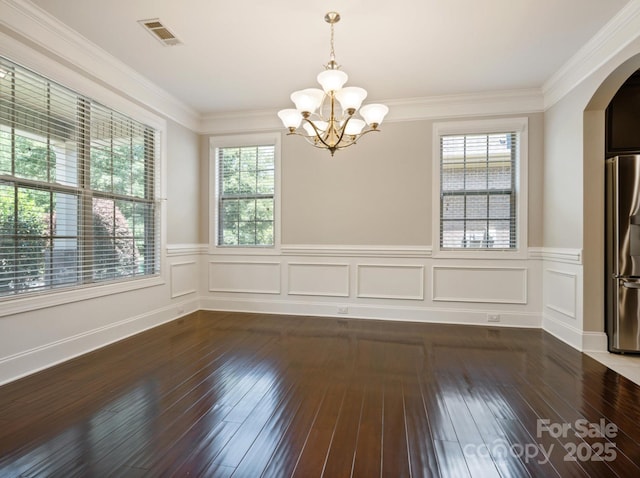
[{"x": 554, "y": 254}]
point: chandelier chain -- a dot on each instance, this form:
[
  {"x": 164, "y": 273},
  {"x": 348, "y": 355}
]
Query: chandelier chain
[{"x": 333, "y": 52}]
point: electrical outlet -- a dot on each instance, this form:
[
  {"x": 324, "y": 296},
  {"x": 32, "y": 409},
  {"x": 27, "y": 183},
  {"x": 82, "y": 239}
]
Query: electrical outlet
[
  {"x": 493, "y": 318},
  {"x": 343, "y": 309}
]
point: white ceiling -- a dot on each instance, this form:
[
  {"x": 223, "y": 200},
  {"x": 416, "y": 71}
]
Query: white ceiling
[{"x": 250, "y": 55}]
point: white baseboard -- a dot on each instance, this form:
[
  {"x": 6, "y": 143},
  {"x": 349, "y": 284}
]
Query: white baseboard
[
  {"x": 578, "y": 339},
  {"x": 594, "y": 342},
  {"x": 565, "y": 332},
  {"x": 28, "y": 362},
  {"x": 365, "y": 311}
]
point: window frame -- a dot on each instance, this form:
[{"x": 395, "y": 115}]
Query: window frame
[
  {"x": 520, "y": 126},
  {"x": 87, "y": 88},
  {"x": 241, "y": 140}
]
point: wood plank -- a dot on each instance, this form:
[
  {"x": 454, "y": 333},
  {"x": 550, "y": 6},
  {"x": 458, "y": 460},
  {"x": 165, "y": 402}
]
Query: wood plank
[
  {"x": 395, "y": 455},
  {"x": 368, "y": 453},
  {"x": 471, "y": 441},
  {"x": 422, "y": 455},
  {"x": 340, "y": 457},
  {"x": 452, "y": 461},
  {"x": 284, "y": 458},
  {"x": 314, "y": 454}
]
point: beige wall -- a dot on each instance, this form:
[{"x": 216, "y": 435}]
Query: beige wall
[
  {"x": 183, "y": 188},
  {"x": 203, "y": 224},
  {"x": 375, "y": 193},
  {"x": 563, "y": 174},
  {"x": 379, "y": 191},
  {"x": 536, "y": 179}
]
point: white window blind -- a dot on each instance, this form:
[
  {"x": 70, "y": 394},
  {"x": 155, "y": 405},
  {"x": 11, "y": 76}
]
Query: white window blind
[
  {"x": 478, "y": 191},
  {"x": 246, "y": 186},
  {"x": 77, "y": 194}
]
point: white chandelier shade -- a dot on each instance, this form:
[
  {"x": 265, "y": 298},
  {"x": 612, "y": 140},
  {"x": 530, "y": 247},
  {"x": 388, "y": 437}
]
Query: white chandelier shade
[
  {"x": 351, "y": 97},
  {"x": 354, "y": 127},
  {"x": 307, "y": 100},
  {"x": 291, "y": 118},
  {"x": 327, "y": 118},
  {"x": 332, "y": 80},
  {"x": 374, "y": 114}
]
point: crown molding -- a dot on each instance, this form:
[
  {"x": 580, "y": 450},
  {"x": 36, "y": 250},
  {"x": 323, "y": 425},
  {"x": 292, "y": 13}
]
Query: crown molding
[
  {"x": 619, "y": 32},
  {"x": 52, "y": 36},
  {"x": 505, "y": 102},
  {"x": 248, "y": 121},
  {"x": 30, "y": 22},
  {"x": 508, "y": 102}
]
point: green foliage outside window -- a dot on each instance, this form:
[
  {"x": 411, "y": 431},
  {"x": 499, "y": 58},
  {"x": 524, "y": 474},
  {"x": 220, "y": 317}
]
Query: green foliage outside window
[
  {"x": 126, "y": 160},
  {"x": 246, "y": 206},
  {"x": 27, "y": 228},
  {"x": 31, "y": 225}
]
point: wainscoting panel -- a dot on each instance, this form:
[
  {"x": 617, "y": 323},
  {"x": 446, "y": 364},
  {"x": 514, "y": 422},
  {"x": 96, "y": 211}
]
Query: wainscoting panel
[
  {"x": 560, "y": 292},
  {"x": 390, "y": 281},
  {"x": 244, "y": 276},
  {"x": 497, "y": 285},
  {"x": 184, "y": 278},
  {"x": 330, "y": 280}
]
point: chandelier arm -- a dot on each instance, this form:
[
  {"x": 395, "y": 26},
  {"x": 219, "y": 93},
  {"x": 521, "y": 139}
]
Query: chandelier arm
[
  {"x": 356, "y": 137},
  {"x": 318, "y": 135},
  {"x": 370, "y": 130},
  {"x": 332, "y": 130},
  {"x": 312, "y": 140},
  {"x": 317, "y": 145},
  {"x": 344, "y": 129}
]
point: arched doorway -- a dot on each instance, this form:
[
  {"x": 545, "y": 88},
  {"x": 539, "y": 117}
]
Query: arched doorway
[{"x": 593, "y": 193}]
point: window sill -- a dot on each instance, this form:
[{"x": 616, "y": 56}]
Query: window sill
[
  {"x": 244, "y": 250},
  {"x": 51, "y": 298},
  {"x": 474, "y": 254}
]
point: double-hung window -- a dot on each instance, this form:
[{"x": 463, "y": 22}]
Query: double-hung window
[
  {"x": 245, "y": 177},
  {"x": 77, "y": 189},
  {"x": 481, "y": 195}
]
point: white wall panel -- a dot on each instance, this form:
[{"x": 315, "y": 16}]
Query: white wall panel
[
  {"x": 184, "y": 278},
  {"x": 560, "y": 291},
  {"x": 390, "y": 281},
  {"x": 244, "y": 276},
  {"x": 331, "y": 280},
  {"x": 499, "y": 285}
]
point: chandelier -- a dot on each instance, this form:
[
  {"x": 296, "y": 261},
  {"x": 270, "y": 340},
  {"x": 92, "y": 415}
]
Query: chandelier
[{"x": 327, "y": 123}]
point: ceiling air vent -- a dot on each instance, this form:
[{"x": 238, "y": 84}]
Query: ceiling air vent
[{"x": 160, "y": 32}]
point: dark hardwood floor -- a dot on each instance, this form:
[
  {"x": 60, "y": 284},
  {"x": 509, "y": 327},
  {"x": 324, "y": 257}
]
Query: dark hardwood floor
[{"x": 247, "y": 395}]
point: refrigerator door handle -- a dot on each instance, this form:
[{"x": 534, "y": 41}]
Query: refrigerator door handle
[{"x": 630, "y": 284}]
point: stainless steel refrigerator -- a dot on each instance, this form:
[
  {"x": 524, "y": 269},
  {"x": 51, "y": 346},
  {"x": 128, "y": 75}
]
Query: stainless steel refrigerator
[{"x": 622, "y": 241}]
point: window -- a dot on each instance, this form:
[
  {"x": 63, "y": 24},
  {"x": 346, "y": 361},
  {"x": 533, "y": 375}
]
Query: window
[
  {"x": 479, "y": 185},
  {"x": 245, "y": 183},
  {"x": 77, "y": 194}
]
